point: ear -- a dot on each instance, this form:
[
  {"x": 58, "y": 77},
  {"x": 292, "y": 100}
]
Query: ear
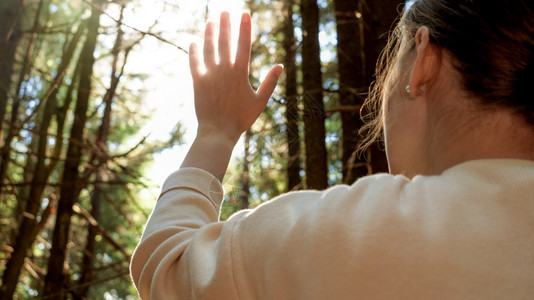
[{"x": 426, "y": 64}]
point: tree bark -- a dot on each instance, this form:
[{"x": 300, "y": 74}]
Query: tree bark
[
  {"x": 378, "y": 17},
  {"x": 71, "y": 184},
  {"x": 353, "y": 85},
  {"x": 10, "y": 34},
  {"x": 87, "y": 273},
  {"x": 245, "y": 177},
  {"x": 16, "y": 261},
  {"x": 101, "y": 157},
  {"x": 294, "y": 181},
  {"x": 314, "y": 115},
  {"x": 18, "y": 97}
]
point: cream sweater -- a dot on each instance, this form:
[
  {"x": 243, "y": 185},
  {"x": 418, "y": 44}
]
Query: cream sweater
[{"x": 465, "y": 234}]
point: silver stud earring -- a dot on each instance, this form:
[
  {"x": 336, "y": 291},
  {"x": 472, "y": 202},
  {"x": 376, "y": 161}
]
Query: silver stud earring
[{"x": 408, "y": 89}]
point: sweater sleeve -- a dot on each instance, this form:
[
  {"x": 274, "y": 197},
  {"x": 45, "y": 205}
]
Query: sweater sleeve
[
  {"x": 268, "y": 252},
  {"x": 180, "y": 245},
  {"x": 185, "y": 253}
]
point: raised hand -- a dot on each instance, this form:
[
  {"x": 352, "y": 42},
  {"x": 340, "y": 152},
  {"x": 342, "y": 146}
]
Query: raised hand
[{"x": 225, "y": 102}]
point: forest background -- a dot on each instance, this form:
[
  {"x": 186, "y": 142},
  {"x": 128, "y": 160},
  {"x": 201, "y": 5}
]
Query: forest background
[{"x": 96, "y": 109}]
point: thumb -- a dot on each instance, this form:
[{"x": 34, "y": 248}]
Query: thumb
[{"x": 268, "y": 85}]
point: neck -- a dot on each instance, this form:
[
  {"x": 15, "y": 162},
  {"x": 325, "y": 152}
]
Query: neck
[{"x": 491, "y": 135}]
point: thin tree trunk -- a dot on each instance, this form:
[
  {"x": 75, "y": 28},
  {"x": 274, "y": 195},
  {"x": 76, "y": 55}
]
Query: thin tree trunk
[
  {"x": 87, "y": 271},
  {"x": 16, "y": 261},
  {"x": 378, "y": 18},
  {"x": 71, "y": 185},
  {"x": 314, "y": 115},
  {"x": 352, "y": 82},
  {"x": 10, "y": 34},
  {"x": 39, "y": 172},
  {"x": 14, "y": 127},
  {"x": 245, "y": 177},
  {"x": 294, "y": 180},
  {"x": 101, "y": 156},
  {"x": 10, "y": 10},
  {"x": 244, "y": 197}
]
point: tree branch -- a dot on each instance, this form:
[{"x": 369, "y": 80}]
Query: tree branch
[{"x": 162, "y": 39}]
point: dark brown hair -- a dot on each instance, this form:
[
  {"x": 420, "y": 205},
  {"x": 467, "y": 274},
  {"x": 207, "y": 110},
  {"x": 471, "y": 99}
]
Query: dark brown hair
[{"x": 492, "y": 42}]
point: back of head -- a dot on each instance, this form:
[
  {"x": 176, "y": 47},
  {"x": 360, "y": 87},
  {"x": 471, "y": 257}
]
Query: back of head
[{"x": 492, "y": 45}]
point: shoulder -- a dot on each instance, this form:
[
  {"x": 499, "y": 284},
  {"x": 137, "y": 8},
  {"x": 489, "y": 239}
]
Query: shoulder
[{"x": 386, "y": 235}]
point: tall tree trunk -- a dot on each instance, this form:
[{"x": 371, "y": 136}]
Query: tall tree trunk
[
  {"x": 39, "y": 172},
  {"x": 71, "y": 184},
  {"x": 10, "y": 34},
  {"x": 28, "y": 225},
  {"x": 314, "y": 115},
  {"x": 294, "y": 180},
  {"x": 353, "y": 84},
  {"x": 245, "y": 177},
  {"x": 18, "y": 97},
  {"x": 378, "y": 17},
  {"x": 87, "y": 273},
  {"x": 101, "y": 157},
  {"x": 244, "y": 196},
  {"x": 16, "y": 261}
]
